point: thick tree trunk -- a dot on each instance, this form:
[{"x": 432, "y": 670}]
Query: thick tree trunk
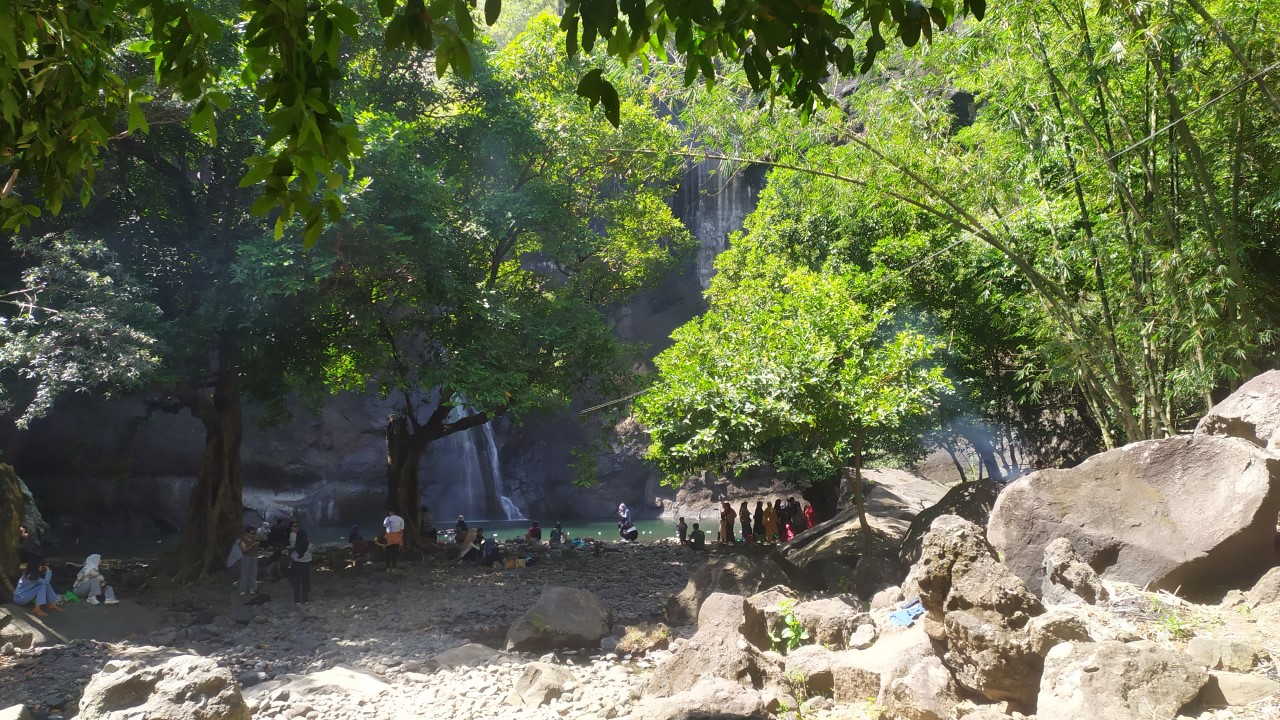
[
  {"x": 215, "y": 514},
  {"x": 403, "y": 492}
]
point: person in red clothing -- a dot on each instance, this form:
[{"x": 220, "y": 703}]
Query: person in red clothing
[{"x": 810, "y": 517}]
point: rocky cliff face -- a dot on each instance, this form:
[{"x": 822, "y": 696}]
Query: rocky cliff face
[{"x": 107, "y": 467}]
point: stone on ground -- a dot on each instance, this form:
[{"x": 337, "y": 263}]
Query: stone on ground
[
  {"x": 978, "y": 611},
  {"x": 831, "y": 621},
  {"x": 1227, "y": 655},
  {"x": 469, "y": 655},
  {"x": 539, "y": 684},
  {"x": 563, "y": 618},
  {"x": 734, "y": 575},
  {"x": 1266, "y": 590},
  {"x": 719, "y": 649},
  {"x": 16, "y": 712},
  {"x": 812, "y": 666},
  {"x": 1228, "y": 688},
  {"x": 923, "y": 690},
  {"x": 182, "y": 688},
  {"x": 711, "y": 698},
  {"x": 1193, "y": 512},
  {"x": 644, "y": 638},
  {"x": 1113, "y": 681},
  {"x": 1068, "y": 580}
]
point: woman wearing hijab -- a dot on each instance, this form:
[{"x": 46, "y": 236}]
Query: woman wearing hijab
[
  {"x": 744, "y": 517},
  {"x": 757, "y": 524},
  {"x": 624, "y": 515},
  {"x": 299, "y": 564},
  {"x": 727, "y": 518},
  {"x": 36, "y": 584},
  {"x": 90, "y": 583},
  {"x": 770, "y": 523},
  {"x": 810, "y": 516}
]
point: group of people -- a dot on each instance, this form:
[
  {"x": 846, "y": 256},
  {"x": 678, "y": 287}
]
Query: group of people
[
  {"x": 286, "y": 536},
  {"x": 35, "y": 586},
  {"x": 770, "y": 523}
]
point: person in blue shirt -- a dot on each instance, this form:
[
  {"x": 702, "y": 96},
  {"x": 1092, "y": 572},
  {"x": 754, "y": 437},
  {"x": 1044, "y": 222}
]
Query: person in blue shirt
[{"x": 36, "y": 584}]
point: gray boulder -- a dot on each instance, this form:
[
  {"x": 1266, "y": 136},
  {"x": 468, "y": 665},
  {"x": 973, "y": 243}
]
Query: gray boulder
[
  {"x": 734, "y": 575},
  {"x": 979, "y": 612},
  {"x": 539, "y": 684},
  {"x": 1251, "y": 413},
  {"x": 831, "y": 621},
  {"x": 1068, "y": 580},
  {"x": 469, "y": 655},
  {"x": 1228, "y": 688},
  {"x": 185, "y": 687},
  {"x": 970, "y": 500},
  {"x": 1266, "y": 590},
  {"x": 710, "y": 698},
  {"x": 719, "y": 648},
  {"x": 1113, "y": 681},
  {"x": 563, "y": 618},
  {"x": 1191, "y": 511},
  {"x": 923, "y": 690},
  {"x": 1227, "y": 655},
  {"x": 812, "y": 666}
]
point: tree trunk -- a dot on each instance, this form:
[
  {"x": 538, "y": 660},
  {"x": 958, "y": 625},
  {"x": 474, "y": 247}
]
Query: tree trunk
[
  {"x": 215, "y": 515},
  {"x": 986, "y": 453},
  {"x": 403, "y": 493},
  {"x": 857, "y": 493}
]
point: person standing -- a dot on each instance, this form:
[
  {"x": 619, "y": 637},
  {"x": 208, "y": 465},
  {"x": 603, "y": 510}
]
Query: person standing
[
  {"x": 757, "y": 526},
  {"x": 394, "y": 526},
  {"x": 460, "y": 531},
  {"x": 249, "y": 562},
  {"x": 744, "y": 517},
  {"x": 682, "y": 530},
  {"x": 727, "y": 518},
  {"x": 90, "y": 582},
  {"x": 299, "y": 564},
  {"x": 810, "y": 516},
  {"x": 770, "y": 523}
]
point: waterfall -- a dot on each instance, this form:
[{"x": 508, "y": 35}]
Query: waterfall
[{"x": 464, "y": 475}]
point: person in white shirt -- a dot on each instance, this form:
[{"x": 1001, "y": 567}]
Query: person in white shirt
[
  {"x": 394, "y": 526},
  {"x": 299, "y": 564}
]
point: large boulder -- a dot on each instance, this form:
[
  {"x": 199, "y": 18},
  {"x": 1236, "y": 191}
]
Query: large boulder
[
  {"x": 979, "y": 612},
  {"x": 185, "y": 687},
  {"x": 1114, "y": 681},
  {"x": 720, "y": 648},
  {"x": 923, "y": 690},
  {"x": 1251, "y": 413},
  {"x": 17, "y": 507},
  {"x": 563, "y": 618},
  {"x": 969, "y": 500},
  {"x": 734, "y": 575},
  {"x": 1267, "y": 589},
  {"x": 1191, "y": 512}
]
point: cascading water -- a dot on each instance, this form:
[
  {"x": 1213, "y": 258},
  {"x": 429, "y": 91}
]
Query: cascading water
[{"x": 464, "y": 476}]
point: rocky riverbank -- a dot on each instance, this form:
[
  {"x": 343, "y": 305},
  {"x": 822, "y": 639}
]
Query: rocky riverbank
[{"x": 369, "y": 621}]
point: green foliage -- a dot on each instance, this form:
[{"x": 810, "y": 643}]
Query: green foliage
[
  {"x": 793, "y": 634},
  {"x": 78, "y": 323},
  {"x": 787, "y": 366},
  {"x": 72, "y": 78}
]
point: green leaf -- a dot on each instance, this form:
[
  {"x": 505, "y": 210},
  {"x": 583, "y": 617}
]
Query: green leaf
[{"x": 492, "y": 9}]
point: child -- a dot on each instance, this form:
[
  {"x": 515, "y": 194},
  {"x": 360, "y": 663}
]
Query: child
[{"x": 682, "y": 529}]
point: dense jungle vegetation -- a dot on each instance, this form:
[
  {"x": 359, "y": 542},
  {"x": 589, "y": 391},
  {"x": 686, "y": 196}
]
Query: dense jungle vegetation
[{"x": 1053, "y": 219}]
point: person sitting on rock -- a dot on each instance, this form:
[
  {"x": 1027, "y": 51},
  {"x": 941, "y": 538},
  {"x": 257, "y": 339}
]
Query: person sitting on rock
[
  {"x": 90, "y": 583},
  {"x": 534, "y": 534},
  {"x": 490, "y": 555},
  {"x": 557, "y": 535},
  {"x": 36, "y": 584},
  {"x": 427, "y": 524},
  {"x": 697, "y": 538}
]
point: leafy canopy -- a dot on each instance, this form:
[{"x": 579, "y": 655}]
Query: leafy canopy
[
  {"x": 786, "y": 367},
  {"x": 73, "y": 77}
]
